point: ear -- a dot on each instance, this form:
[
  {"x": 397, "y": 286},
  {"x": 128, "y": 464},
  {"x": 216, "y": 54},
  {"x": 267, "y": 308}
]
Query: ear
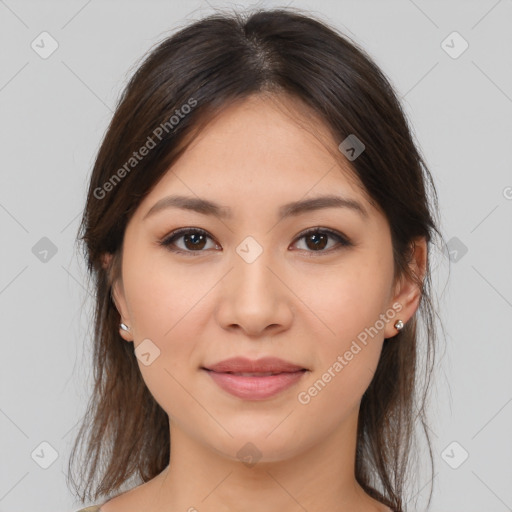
[
  {"x": 110, "y": 263},
  {"x": 408, "y": 289}
]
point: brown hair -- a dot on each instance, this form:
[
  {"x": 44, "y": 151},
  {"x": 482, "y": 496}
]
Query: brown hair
[{"x": 211, "y": 63}]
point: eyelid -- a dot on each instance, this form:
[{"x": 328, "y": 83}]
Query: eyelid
[
  {"x": 343, "y": 240},
  {"x": 178, "y": 233}
]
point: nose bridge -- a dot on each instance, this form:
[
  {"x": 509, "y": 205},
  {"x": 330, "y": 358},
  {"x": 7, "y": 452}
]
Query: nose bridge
[
  {"x": 253, "y": 297},
  {"x": 251, "y": 273}
]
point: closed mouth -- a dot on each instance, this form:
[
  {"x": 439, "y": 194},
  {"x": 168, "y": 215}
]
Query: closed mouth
[{"x": 255, "y": 374}]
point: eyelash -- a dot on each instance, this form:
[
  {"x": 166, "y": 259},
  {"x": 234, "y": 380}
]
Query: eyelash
[{"x": 179, "y": 233}]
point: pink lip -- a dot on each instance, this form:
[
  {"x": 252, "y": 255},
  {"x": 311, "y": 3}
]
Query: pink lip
[
  {"x": 244, "y": 365},
  {"x": 255, "y": 387}
]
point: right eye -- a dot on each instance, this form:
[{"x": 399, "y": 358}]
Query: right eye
[{"x": 194, "y": 240}]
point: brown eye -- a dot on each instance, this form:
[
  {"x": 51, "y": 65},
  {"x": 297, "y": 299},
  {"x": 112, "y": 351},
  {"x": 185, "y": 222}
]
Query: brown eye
[
  {"x": 194, "y": 240},
  {"x": 316, "y": 240}
]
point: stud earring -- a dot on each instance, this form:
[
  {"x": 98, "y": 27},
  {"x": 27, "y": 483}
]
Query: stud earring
[
  {"x": 399, "y": 325},
  {"x": 124, "y": 327}
]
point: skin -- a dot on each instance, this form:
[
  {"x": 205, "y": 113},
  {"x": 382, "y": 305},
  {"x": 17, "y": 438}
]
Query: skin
[{"x": 294, "y": 302}]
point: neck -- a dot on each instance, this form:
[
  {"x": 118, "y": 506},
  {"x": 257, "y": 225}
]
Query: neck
[{"x": 200, "y": 478}]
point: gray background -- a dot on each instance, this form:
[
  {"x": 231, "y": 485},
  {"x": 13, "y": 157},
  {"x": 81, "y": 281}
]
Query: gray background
[{"x": 54, "y": 112}]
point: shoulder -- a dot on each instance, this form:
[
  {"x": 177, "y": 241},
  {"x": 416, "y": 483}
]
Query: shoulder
[{"x": 92, "y": 508}]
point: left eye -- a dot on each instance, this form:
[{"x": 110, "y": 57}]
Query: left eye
[
  {"x": 318, "y": 239},
  {"x": 194, "y": 240}
]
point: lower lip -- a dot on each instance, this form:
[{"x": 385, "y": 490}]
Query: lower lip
[{"x": 255, "y": 388}]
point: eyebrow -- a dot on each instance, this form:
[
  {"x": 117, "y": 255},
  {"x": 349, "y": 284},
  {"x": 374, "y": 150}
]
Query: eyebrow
[{"x": 292, "y": 209}]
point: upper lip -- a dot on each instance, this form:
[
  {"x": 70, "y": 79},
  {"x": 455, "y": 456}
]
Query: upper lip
[{"x": 263, "y": 365}]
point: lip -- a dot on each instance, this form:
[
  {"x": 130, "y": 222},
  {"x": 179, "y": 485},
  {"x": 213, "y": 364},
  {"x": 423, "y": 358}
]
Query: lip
[
  {"x": 263, "y": 365},
  {"x": 255, "y": 387}
]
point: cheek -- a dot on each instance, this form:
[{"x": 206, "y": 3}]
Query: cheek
[
  {"x": 162, "y": 296},
  {"x": 349, "y": 303},
  {"x": 172, "y": 313},
  {"x": 346, "y": 300},
  {"x": 168, "y": 307}
]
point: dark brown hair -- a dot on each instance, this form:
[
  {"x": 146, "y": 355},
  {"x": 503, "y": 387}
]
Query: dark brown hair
[{"x": 205, "y": 66}]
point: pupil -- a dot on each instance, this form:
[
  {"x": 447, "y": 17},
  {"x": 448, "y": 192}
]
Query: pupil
[
  {"x": 196, "y": 242},
  {"x": 317, "y": 242}
]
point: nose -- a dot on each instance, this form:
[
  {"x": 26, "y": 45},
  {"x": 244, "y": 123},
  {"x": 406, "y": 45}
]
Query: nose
[{"x": 254, "y": 298}]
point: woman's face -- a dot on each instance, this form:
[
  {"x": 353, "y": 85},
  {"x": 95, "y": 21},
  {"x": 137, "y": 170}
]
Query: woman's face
[{"x": 255, "y": 285}]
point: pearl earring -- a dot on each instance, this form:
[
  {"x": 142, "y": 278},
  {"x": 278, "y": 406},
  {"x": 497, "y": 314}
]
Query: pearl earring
[
  {"x": 399, "y": 325},
  {"x": 124, "y": 327}
]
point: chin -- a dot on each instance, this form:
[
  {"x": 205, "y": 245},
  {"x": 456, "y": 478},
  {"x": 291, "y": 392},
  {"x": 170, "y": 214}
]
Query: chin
[{"x": 260, "y": 444}]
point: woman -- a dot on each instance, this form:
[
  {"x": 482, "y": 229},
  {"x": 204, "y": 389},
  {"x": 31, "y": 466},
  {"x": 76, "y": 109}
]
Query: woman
[{"x": 258, "y": 225}]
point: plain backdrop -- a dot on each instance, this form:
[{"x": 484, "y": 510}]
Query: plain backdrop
[{"x": 450, "y": 62}]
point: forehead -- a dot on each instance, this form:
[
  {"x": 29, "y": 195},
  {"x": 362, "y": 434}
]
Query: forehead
[
  {"x": 258, "y": 149},
  {"x": 268, "y": 127}
]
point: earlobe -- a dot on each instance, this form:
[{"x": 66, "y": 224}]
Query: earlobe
[
  {"x": 118, "y": 298},
  {"x": 409, "y": 288},
  {"x": 106, "y": 260},
  {"x": 117, "y": 294}
]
